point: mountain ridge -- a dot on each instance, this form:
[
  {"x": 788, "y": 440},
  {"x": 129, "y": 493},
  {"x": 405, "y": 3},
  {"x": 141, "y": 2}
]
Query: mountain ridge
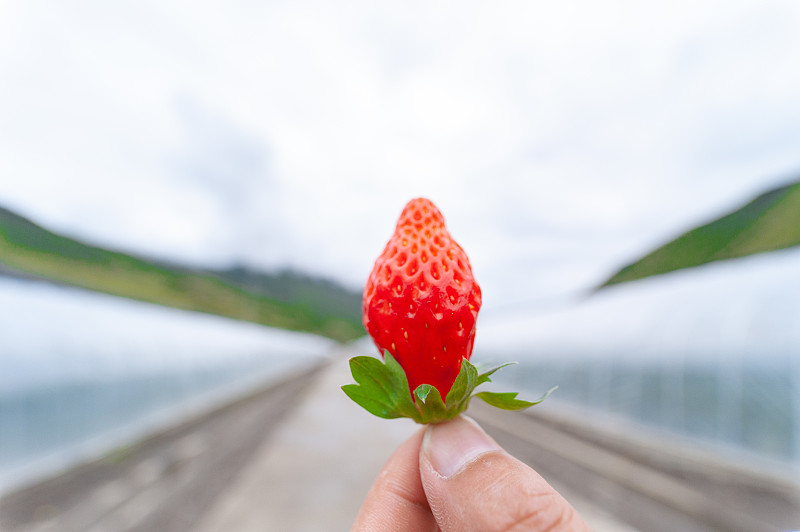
[
  {"x": 768, "y": 222},
  {"x": 286, "y": 299}
]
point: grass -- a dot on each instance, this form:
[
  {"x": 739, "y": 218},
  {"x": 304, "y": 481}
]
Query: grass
[
  {"x": 286, "y": 300},
  {"x": 769, "y": 222}
]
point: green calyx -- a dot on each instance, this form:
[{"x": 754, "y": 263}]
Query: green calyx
[{"x": 382, "y": 390}]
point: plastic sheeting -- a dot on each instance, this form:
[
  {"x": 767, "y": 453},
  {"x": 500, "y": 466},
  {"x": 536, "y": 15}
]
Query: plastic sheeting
[{"x": 712, "y": 352}]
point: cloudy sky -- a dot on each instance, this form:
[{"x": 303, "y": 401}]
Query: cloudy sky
[{"x": 559, "y": 139}]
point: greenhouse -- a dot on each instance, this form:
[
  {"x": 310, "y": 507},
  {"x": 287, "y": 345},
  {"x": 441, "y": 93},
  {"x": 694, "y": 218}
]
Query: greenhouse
[{"x": 709, "y": 353}]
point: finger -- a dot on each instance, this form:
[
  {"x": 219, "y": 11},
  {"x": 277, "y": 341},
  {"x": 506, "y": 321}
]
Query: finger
[
  {"x": 472, "y": 484},
  {"x": 396, "y": 501}
]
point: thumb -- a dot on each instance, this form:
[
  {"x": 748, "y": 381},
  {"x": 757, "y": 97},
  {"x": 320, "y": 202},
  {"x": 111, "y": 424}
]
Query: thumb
[{"x": 473, "y": 485}]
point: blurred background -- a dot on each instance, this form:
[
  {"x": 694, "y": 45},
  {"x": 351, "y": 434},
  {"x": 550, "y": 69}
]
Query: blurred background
[{"x": 192, "y": 196}]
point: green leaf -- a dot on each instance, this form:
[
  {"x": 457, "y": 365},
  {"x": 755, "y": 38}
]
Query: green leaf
[
  {"x": 509, "y": 401},
  {"x": 374, "y": 405},
  {"x": 484, "y": 376},
  {"x": 429, "y": 402},
  {"x": 399, "y": 386},
  {"x": 423, "y": 390},
  {"x": 457, "y": 398},
  {"x": 382, "y": 388}
]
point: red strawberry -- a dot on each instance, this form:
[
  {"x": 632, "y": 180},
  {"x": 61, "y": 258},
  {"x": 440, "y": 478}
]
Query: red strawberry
[{"x": 421, "y": 299}]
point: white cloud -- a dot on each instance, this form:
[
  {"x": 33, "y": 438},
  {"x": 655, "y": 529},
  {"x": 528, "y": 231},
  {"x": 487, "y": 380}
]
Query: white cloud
[{"x": 559, "y": 141}]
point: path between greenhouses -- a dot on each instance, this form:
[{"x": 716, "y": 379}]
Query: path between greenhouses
[
  {"x": 315, "y": 470},
  {"x": 297, "y": 455}
]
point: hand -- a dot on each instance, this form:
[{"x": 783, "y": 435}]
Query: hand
[{"x": 454, "y": 477}]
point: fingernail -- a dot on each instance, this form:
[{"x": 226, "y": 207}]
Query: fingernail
[{"x": 451, "y": 446}]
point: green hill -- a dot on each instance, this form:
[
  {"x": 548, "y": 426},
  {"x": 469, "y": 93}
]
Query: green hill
[
  {"x": 287, "y": 299},
  {"x": 769, "y": 222}
]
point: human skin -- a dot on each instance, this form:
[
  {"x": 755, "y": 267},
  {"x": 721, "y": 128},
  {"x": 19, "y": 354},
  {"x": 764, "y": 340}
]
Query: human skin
[{"x": 454, "y": 477}]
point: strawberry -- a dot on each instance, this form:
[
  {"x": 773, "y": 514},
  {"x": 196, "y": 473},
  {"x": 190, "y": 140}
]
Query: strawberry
[
  {"x": 421, "y": 299},
  {"x": 420, "y": 306}
]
